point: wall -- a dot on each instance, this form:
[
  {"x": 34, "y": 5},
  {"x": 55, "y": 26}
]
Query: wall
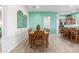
[
  {"x": 0, "y": 17},
  {"x": 12, "y": 35},
  {"x": 38, "y": 18},
  {"x": 62, "y": 17},
  {"x": 76, "y": 15}
]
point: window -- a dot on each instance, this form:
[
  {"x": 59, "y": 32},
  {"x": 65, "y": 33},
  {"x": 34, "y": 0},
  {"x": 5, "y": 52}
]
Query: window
[
  {"x": 47, "y": 22},
  {"x": 21, "y": 20}
]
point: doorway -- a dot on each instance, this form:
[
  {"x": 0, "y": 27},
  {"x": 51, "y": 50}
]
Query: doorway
[{"x": 47, "y": 22}]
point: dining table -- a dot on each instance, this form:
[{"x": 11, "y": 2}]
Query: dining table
[{"x": 36, "y": 37}]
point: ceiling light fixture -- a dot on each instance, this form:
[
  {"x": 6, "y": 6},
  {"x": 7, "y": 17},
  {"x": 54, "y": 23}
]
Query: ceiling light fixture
[
  {"x": 37, "y": 7},
  {"x": 71, "y": 6}
]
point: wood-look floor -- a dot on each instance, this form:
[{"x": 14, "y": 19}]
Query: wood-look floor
[{"x": 56, "y": 45}]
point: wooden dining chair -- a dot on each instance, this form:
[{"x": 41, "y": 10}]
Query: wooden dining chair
[
  {"x": 39, "y": 38},
  {"x": 29, "y": 30},
  {"x": 46, "y": 42},
  {"x": 73, "y": 35},
  {"x": 77, "y": 36},
  {"x": 32, "y": 38},
  {"x": 47, "y": 30},
  {"x": 67, "y": 34},
  {"x": 64, "y": 33}
]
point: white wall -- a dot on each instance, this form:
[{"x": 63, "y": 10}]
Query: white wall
[
  {"x": 0, "y": 17},
  {"x": 12, "y": 36}
]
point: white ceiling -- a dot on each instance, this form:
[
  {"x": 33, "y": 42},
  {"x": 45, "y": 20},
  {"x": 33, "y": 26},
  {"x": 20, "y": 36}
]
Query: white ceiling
[{"x": 61, "y": 9}]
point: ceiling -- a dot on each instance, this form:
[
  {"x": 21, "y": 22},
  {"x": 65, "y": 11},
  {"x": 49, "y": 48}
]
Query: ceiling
[{"x": 61, "y": 9}]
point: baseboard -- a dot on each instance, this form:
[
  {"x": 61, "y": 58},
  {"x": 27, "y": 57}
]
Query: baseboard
[{"x": 16, "y": 45}]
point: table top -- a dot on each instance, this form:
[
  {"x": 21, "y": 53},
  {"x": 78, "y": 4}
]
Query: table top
[{"x": 32, "y": 32}]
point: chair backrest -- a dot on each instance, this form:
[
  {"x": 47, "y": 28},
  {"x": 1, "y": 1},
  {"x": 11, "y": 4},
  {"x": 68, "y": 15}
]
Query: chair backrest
[
  {"x": 39, "y": 32},
  {"x": 47, "y": 30},
  {"x": 77, "y": 32},
  {"x": 29, "y": 30}
]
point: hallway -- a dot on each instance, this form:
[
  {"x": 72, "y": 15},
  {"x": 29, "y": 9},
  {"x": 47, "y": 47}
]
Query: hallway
[{"x": 56, "y": 45}]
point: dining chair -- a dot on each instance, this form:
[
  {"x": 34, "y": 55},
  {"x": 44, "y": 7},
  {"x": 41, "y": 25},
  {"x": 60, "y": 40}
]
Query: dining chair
[
  {"x": 73, "y": 35},
  {"x": 77, "y": 40},
  {"x": 29, "y": 30}
]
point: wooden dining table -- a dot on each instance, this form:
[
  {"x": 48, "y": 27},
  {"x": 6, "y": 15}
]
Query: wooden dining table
[{"x": 38, "y": 38}]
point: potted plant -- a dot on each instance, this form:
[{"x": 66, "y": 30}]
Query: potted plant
[{"x": 38, "y": 27}]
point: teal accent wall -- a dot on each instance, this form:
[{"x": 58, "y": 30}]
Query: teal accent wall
[
  {"x": 36, "y": 18},
  {"x": 21, "y": 20},
  {"x": 62, "y": 17},
  {"x": 76, "y": 15}
]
